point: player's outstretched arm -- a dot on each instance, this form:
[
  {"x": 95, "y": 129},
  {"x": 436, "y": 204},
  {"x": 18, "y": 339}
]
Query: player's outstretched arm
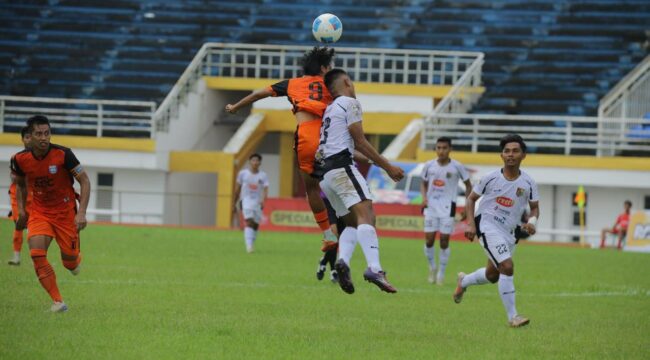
[
  {"x": 470, "y": 233},
  {"x": 249, "y": 99},
  {"x": 84, "y": 197},
  {"x": 360, "y": 143},
  {"x": 531, "y": 226}
]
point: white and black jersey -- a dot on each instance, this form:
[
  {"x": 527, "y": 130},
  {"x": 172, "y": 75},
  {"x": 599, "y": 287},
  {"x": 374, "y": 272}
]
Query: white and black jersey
[
  {"x": 442, "y": 186},
  {"x": 252, "y": 187},
  {"x": 336, "y": 145},
  {"x": 504, "y": 201},
  {"x": 341, "y": 181}
]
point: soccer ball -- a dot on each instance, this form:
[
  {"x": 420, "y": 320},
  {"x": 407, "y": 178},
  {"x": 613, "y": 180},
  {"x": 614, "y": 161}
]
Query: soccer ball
[{"x": 327, "y": 28}]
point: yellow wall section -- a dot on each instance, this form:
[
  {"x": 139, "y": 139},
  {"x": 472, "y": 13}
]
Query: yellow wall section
[
  {"x": 544, "y": 160},
  {"x": 434, "y": 91},
  {"x": 89, "y": 142},
  {"x": 287, "y": 159},
  {"x": 210, "y": 162},
  {"x": 374, "y": 123}
]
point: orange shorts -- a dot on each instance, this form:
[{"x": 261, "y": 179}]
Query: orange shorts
[
  {"x": 306, "y": 144},
  {"x": 60, "y": 226}
]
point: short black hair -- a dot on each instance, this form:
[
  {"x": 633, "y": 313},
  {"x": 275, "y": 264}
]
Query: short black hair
[
  {"x": 37, "y": 120},
  {"x": 444, "y": 139},
  {"x": 628, "y": 202},
  {"x": 24, "y": 131},
  {"x": 510, "y": 138},
  {"x": 332, "y": 76},
  {"x": 315, "y": 58},
  {"x": 255, "y": 155}
]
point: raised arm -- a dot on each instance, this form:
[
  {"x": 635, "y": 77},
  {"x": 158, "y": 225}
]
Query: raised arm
[
  {"x": 364, "y": 147},
  {"x": 249, "y": 99}
]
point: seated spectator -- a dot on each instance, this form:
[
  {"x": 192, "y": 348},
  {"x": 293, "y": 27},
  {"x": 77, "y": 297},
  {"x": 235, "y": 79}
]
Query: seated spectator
[{"x": 620, "y": 227}]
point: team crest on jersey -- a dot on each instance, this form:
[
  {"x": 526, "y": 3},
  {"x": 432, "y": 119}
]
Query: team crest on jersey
[
  {"x": 449, "y": 175},
  {"x": 504, "y": 201},
  {"x": 52, "y": 169},
  {"x": 520, "y": 192}
]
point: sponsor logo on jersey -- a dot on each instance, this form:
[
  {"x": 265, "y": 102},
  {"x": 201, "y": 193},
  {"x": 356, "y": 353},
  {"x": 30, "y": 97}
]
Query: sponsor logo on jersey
[
  {"x": 504, "y": 201},
  {"x": 52, "y": 169},
  {"x": 520, "y": 192},
  {"x": 252, "y": 186},
  {"x": 439, "y": 182}
]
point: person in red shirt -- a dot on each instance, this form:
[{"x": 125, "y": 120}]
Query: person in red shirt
[
  {"x": 48, "y": 171},
  {"x": 309, "y": 98},
  {"x": 13, "y": 214},
  {"x": 620, "y": 227}
]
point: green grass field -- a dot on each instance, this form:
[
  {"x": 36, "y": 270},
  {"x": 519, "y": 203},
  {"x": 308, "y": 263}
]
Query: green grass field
[{"x": 180, "y": 293}]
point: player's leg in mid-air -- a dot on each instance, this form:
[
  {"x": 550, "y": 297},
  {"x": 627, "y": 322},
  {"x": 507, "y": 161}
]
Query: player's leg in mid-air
[
  {"x": 329, "y": 256},
  {"x": 307, "y": 138},
  {"x": 500, "y": 268}
]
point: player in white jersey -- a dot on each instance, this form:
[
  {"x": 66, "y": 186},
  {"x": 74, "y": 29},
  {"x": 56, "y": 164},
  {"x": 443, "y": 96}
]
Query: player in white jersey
[
  {"x": 347, "y": 191},
  {"x": 252, "y": 189},
  {"x": 505, "y": 194},
  {"x": 439, "y": 188}
]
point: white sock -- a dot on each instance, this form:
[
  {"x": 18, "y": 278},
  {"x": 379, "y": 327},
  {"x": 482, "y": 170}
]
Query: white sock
[
  {"x": 347, "y": 243},
  {"x": 249, "y": 236},
  {"x": 367, "y": 237},
  {"x": 507, "y": 292},
  {"x": 475, "y": 278},
  {"x": 430, "y": 253},
  {"x": 444, "y": 258}
]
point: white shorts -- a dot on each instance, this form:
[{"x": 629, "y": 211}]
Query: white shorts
[
  {"x": 435, "y": 223},
  {"x": 498, "y": 244},
  {"x": 345, "y": 187},
  {"x": 254, "y": 214}
]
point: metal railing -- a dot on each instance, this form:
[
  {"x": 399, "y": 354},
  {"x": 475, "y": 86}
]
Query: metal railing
[
  {"x": 631, "y": 96},
  {"x": 145, "y": 207},
  {"x": 80, "y": 116},
  {"x": 393, "y": 66},
  {"x": 543, "y": 134}
]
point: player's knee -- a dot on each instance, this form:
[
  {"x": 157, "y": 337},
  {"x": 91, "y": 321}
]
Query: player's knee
[
  {"x": 444, "y": 242},
  {"x": 37, "y": 253},
  {"x": 492, "y": 277},
  {"x": 70, "y": 261},
  {"x": 507, "y": 268}
]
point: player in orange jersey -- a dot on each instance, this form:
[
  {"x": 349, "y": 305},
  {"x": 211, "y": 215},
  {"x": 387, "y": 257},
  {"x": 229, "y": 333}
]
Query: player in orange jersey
[
  {"x": 49, "y": 170},
  {"x": 309, "y": 98},
  {"x": 13, "y": 214}
]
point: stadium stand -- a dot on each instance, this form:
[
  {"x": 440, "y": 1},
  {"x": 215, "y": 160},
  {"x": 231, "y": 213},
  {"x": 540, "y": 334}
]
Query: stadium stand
[{"x": 542, "y": 56}]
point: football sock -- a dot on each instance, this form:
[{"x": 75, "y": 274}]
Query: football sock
[
  {"x": 430, "y": 253},
  {"x": 475, "y": 278},
  {"x": 324, "y": 223},
  {"x": 45, "y": 273},
  {"x": 444, "y": 258},
  {"x": 367, "y": 237},
  {"x": 72, "y": 264},
  {"x": 249, "y": 236},
  {"x": 507, "y": 292},
  {"x": 347, "y": 243},
  {"x": 18, "y": 240}
]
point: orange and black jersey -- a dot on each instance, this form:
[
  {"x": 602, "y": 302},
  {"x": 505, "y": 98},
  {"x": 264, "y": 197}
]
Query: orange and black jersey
[
  {"x": 49, "y": 178},
  {"x": 306, "y": 93}
]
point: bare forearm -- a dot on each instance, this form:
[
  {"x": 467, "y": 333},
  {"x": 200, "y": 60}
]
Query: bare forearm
[
  {"x": 371, "y": 153},
  {"x": 468, "y": 188},
  {"x": 84, "y": 196},
  {"x": 249, "y": 99},
  {"x": 21, "y": 197},
  {"x": 469, "y": 210}
]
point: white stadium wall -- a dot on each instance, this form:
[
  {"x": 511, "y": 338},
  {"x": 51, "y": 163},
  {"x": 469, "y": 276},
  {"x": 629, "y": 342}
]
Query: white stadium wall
[{"x": 190, "y": 199}]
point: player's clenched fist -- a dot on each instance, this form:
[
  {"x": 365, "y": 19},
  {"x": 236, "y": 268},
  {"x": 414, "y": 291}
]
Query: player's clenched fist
[{"x": 395, "y": 172}]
